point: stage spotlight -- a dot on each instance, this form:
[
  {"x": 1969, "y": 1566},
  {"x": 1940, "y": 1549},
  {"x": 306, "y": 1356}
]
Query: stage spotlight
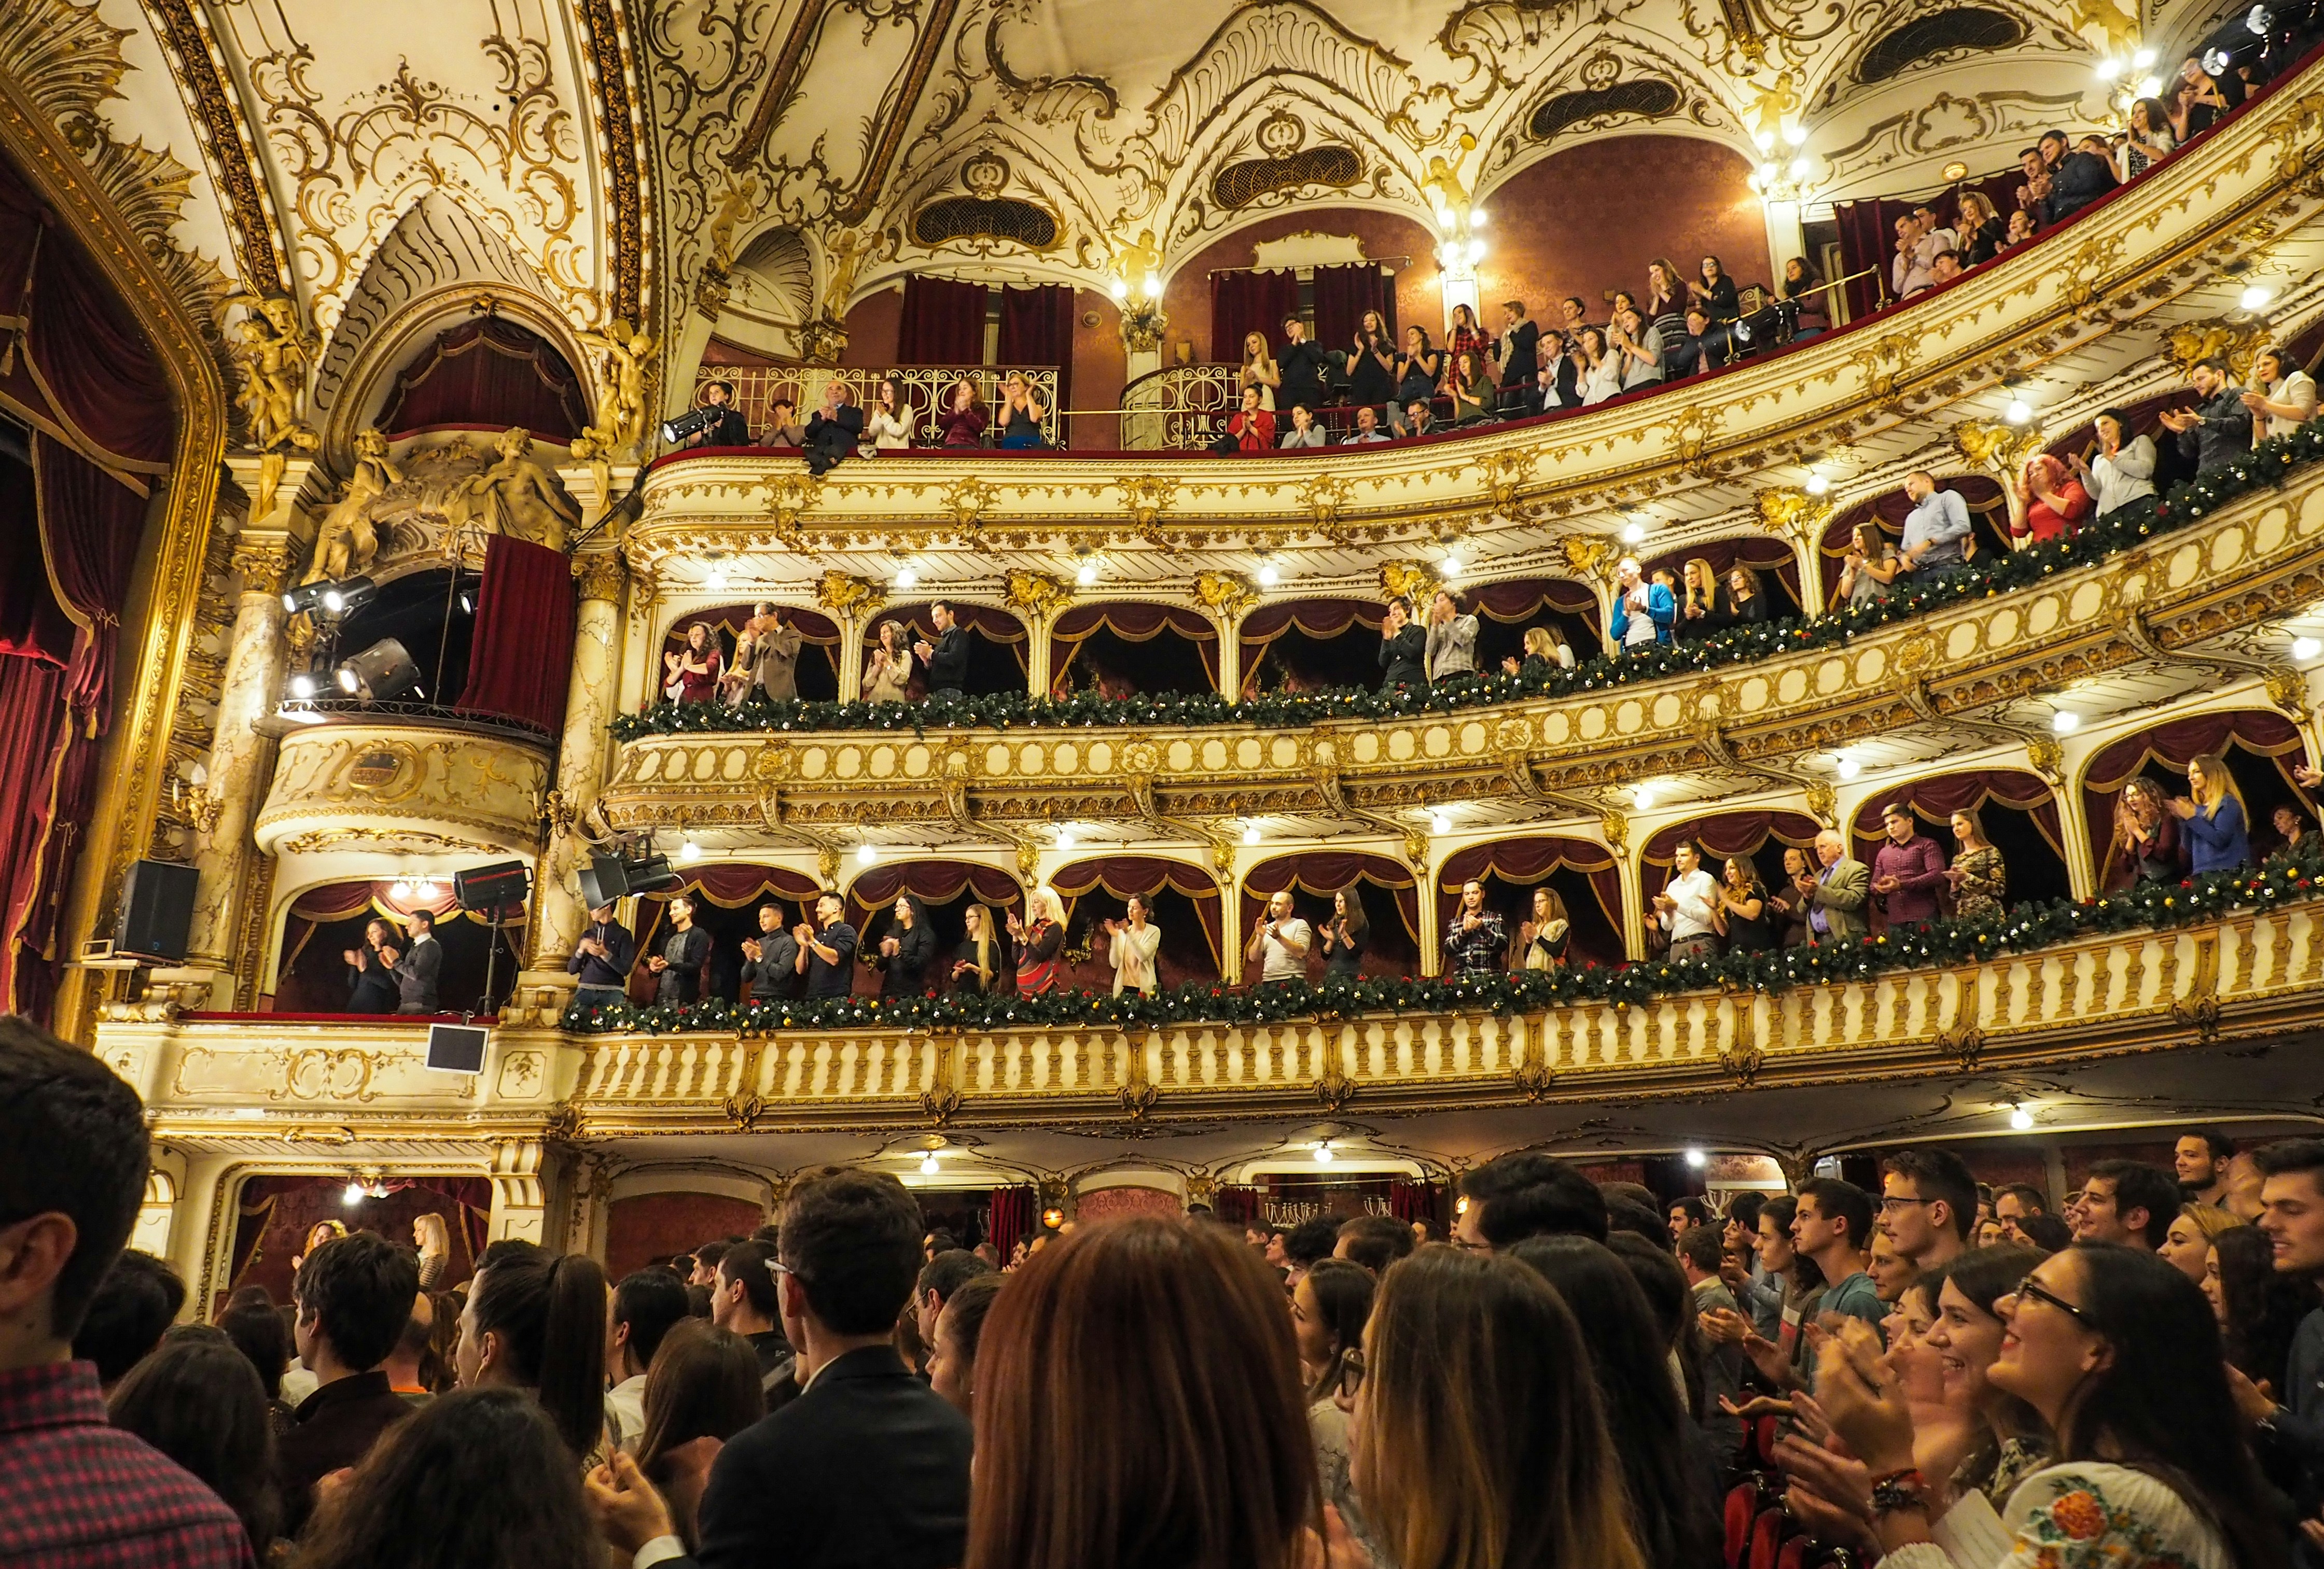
[
  {"x": 610, "y": 878},
  {"x": 691, "y": 422},
  {"x": 382, "y": 673},
  {"x": 333, "y": 598},
  {"x": 502, "y": 886}
]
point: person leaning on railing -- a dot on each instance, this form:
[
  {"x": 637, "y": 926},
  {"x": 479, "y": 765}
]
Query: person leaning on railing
[
  {"x": 2123, "y": 472},
  {"x": 2284, "y": 396},
  {"x": 1304, "y": 432}
]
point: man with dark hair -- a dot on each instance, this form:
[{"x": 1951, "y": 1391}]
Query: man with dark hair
[
  {"x": 353, "y": 1296},
  {"x": 745, "y": 1299},
  {"x": 2016, "y": 1202},
  {"x": 1907, "y": 870},
  {"x": 1306, "y": 1244},
  {"x": 1302, "y": 365},
  {"x": 646, "y": 1305},
  {"x": 868, "y": 1465},
  {"x": 418, "y": 966},
  {"x": 1833, "y": 1226},
  {"x": 705, "y": 1261},
  {"x": 133, "y": 1308},
  {"x": 1518, "y": 349},
  {"x": 2128, "y": 1202},
  {"x": 826, "y": 960},
  {"x": 73, "y": 1487},
  {"x": 2201, "y": 1160},
  {"x": 2217, "y": 431},
  {"x": 940, "y": 1277},
  {"x": 1636, "y": 1217},
  {"x": 946, "y": 659},
  {"x": 1373, "y": 1241},
  {"x": 2076, "y": 178},
  {"x": 1928, "y": 1206},
  {"x": 2289, "y": 1436},
  {"x": 1527, "y": 1195}
]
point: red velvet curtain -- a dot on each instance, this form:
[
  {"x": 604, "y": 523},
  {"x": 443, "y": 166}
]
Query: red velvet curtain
[
  {"x": 1326, "y": 873},
  {"x": 992, "y": 625},
  {"x": 1868, "y": 231},
  {"x": 32, "y": 623},
  {"x": 1521, "y": 598},
  {"x": 1243, "y": 302},
  {"x": 943, "y": 322},
  {"x": 1132, "y": 623},
  {"x": 2175, "y": 744},
  {"x": 524, "y": 653},
  {"x": 733, "y": 886},
  {"x": 1526, "y": 861},
  {"x": 1343, "y": 295},
  {"x": 489, "y": 372},
  {"x": 1122, "y": 875},
  {"x": 1939, "y": 798},
  {"x": 1015, "y": 1214},
  {"x": 936, "y": 881},
  {"x": 1316, "y": 619},
  {"x": 1037, "y": 328},
  {"x": 1240, "y": 1205},
  {"x": 1411, "y": 1201}
]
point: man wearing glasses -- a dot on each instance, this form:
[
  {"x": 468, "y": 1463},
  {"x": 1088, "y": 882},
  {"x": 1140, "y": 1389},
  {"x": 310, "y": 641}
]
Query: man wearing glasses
[{"x": 1928, "y": 1202}]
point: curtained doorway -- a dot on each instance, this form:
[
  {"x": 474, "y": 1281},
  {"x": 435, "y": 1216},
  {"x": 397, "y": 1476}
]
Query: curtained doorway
[
  {"x": 1133, "y": 650},
  {"x": 2018, "y": 810},
  {"x": 323, "y": 922},
  {"x": 1391, "y": 905},
  {"x": 998, "y": 644},
  {"x": 1583, "y": 876},
  {"x": 817, "y": 668},
  {"x": 1313, "y": 645}
]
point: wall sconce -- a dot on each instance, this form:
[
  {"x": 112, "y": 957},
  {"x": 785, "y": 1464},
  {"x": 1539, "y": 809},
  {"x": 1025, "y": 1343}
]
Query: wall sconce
[{"x": 1143, "y": 319}]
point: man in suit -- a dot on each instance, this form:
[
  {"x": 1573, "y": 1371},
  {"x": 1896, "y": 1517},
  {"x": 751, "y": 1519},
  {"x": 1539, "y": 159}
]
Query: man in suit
[
  {"x": 946, "y": 661},
  {"x": 868, "y": 1465},
  {"x": 416, "y": 967},
  {"x": 833, "y": 430},
  {"x": 1302, "y": 367},
  {"x": 1837, "y": 895}
]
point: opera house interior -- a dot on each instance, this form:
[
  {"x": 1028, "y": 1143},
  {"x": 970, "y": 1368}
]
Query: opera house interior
[{"x": 1120, "y": 612}]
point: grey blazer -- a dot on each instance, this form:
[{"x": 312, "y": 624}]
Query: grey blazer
[{"x": 1452, "y": 647}]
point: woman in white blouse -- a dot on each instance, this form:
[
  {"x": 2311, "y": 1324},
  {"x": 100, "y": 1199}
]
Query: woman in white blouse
[
  {"x": 2124, "y": 469},
  {"x": 887, "y": 422},
  {"x": 1132, "y": 944},
  {"x": 2118, "y": 1353},
  {"x": 1259, "y": 368},
  {"x": 1601, "y": 371},
  {"x": 2284, "y": 396}
]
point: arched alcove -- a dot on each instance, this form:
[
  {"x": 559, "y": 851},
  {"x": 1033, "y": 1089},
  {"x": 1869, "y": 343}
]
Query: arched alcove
[
  {"x": 817, "y": 669},
  {"x": 491, "y": 372},
  {"x": 1391, "y": 904},
  {"x": 1988, "y": 513},
  {"x": 1585, "y": 876},
  {"x": 945, "y": 888},
  {"x": 322, "y": 923},
  {"x": 2019, "y": 814},
  {"x": 1182, "y": 902},
  {"x": 997, "y": 647},
  {"x": 1128, "y": 648},
  {"x": 2260, "y": 747}
]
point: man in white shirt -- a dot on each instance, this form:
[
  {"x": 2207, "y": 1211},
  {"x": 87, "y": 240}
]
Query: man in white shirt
[
  {"x": 646, "y": 1305},
  {"x": 1684, "y": 905},
  {"x": 1279, "y": 942}
]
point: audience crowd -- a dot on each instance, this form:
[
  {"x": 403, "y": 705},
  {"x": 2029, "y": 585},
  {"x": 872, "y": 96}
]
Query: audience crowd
[{"x": 1937, "y": 1374}]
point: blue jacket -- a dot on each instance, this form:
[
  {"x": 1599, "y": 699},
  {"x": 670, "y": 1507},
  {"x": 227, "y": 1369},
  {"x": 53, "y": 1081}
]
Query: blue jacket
[
  {"x": 2217, "y": 843},
  {"x": 1662, "y": 608}
]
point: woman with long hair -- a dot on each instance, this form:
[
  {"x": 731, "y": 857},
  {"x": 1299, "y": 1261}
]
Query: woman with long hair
[
  {"x": 1703, "y": 611},
  {"x": 1039, "y": 942},
  {"x": 1664, "y": 304},
  {"x": 693, "y": 670},
  {"x": 888, "y": 674},
  {"x": 2052, "y": 502},
  {"x": 1346, "y": 933},
  {"x": 1741, "y": 916},
  {"x": 2211, "y": 816},
  {"x": 477, "y": 1477},
  {"x": 963, "y": 417},
  {"x": 2118, "y": 1355},
  {"x": 1869, "y": 566},
  {"x": 1978, "y": 230},
  {"x": 1667, "y": 1468},
  {"x": 702, "y": 1389},
  {"x": 887, "y": 422},
  {"x": 1715, "y": 292},
  {"x": 1803, "y": 286},
  {"x": 1329, "y": 1308},
  {"x": 321, "y": 1232},
  {"x": 1020, "y": 413},
  {"x": 1545, "y": 936},
  {"x": 1474, "y": 1361},
  {"x": 2145, "y": 846},
  {"x": 1978, "y": 875},
  {"x": 2150, "y": 139},
  {"x": 980, "y": 958},
  {"x": 905, "y": 954},
  {"x": 1464, "y": 336},
  {"x": 1260, "y": 369},
  {"x": 257, "y": 1331},
  {"x": 1419, "y": 369},
  {"x": 960, "y": 1332},
  {"x": 1472, "y": 391},
  {"x": 2187, "y": 1245},
  {"x": 1601, "y": 370},
  {"x": 433, "y": 1238},
  {"x": 371, "y": 979},
  {"x": 2004, "y": 1441},
  {"x": 535, "y": 1321},
  {"x": 198, "y": 1400},
  {"x": 1138, "y": 1407},
  {"x": 1134, "y": 945},
  {"x": 2122, "y": 472},
  {"x": 2258, "y": 1307}
]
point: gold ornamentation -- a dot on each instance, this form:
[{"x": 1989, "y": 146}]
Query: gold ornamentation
[
  {"x": 1334, "y": 1090},
  {"x": 1408, "y": 580},
  {"x": 743, "y": 1111},
  {"x": 2299, "y": 145},
  {"x": 346, "y": 543},
  {"x": 1324, "y": 495},
  {"x": 517, "y": 496},
  {"x": 1773, "y": 104},
  {"x": 1534, "y": 1080},
  {"x": 1138, "y": 1100},
  {"x": 2002, "y": 448},
  {"x": 966, "y": 498},
  {"x": 842, "y": 595},
  {"x": 260, "y": 562},
  {"x": 623, "y": 359},
  {"x": 1506, "y": 474},
  {"x": 1225, "y": 596},
  {"x": 1962, "y": 1040},
  {"x": 600, "y": 575},
  {"x": 277, "y": 354},
  {"x": 1148, "y": 497},
  {"x": 1036, "y": 595},
  {"x": 2237, "y": 342},
  {"x": 1789, "y": 510}
]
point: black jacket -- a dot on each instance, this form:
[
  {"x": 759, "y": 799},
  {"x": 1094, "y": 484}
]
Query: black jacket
[
  {"x": 906, "y": 975},
  {"x": 372, "y": 985},
  {"x": 686, "y": 953},
  {"x": 1520, "y": 363},
  {"x": 1405, "y": 658},
  {"x": 1302, "y": 365},
  {"x": 2078, "y": 179},
  {"x": 948, "y": 661},
  {"x": 2224, "y": 435},
  {"x": 731, "y": 430},
  {"x": 416, "y": 967},
  {"x": 614, "y": 971},
  {"x": 869, "y": 1467}
]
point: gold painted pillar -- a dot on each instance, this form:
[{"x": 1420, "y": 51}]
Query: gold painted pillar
[
  {"x": 1230, "y": 626},
  {"x": 1432, "y": 928}
]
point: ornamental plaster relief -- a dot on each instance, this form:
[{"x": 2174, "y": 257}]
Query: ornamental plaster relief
[{"x": 402, "y": 787}]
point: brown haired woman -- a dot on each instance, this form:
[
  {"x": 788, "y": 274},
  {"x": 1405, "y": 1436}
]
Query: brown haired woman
[
  {"x": 2145, "y": 843},
  {"x": 1345, "y": 934}
]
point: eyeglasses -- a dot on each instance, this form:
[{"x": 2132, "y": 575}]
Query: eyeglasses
[
  {"x": 1891, "y": 1201},
  {"x": 1351, "y": 1371},
  {"x": 2029, "y": 1287}
]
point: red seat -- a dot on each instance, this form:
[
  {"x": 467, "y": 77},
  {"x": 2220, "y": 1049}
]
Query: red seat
[
  {"x": 1742, "y": 1508},
  {"x": 1766, "y": 1539}
]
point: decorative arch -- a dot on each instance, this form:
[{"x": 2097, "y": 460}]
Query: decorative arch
[
  {"x": 1110, "y": 879},
  {"x": 1988, "y": 513},
  {"x": 1170, "y": 642},
  {"x": 1570, "y": 866},
  {"x": 1768, "y": 555},
  {"x": 1313, "y": 877},
  {"x": 2025, "y": 829},
  {"x": 998, "y": 657},
  {"x": 2260, "y": 745},
  {"x": 818, "y": 660},
  {"x": 1763, "y": 836}
]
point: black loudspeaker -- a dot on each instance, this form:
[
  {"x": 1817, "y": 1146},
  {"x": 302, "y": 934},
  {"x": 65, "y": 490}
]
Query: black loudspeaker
[
  {"x": 504, "y": 886},
  {"x": 603, "y": 882},
  {"x": 157, "y": 909},
  {"x": 456, "y": 1047}
]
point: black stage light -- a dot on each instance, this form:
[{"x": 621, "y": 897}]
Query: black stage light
[
  {"x": 607, "y": 878},
  {"x": 382, "y": 673},
  {"x": 333, "y": 598},
  {"x": 502, "y": 886},
  {"x": 693, "y": 422}
]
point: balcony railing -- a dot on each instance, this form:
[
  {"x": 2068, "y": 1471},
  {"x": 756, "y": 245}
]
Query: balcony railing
[{"x": 924, "y": 389}]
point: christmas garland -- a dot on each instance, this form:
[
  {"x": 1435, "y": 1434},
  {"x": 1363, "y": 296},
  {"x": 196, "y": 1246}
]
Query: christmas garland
[
  {"x": 2288, "y": 877},
  {"x": 2268, "y": 465}
]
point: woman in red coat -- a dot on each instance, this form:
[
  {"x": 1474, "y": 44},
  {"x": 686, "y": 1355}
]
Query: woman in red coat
[{"x": 2055, "y": 501}]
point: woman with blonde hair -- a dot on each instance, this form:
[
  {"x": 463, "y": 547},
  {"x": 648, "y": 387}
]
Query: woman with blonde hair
[
  {"x": 1474, "y": 1361},
  {"x": 1038, "y": 943},
  {"x": 1703, "y": 611},
  {"x": 1021, "y": 412},
  {"x": 1259, "y": 368},
  {"x": 977, "y": 961},
  {"x": 1979, "y": 878},
  {"x": 1978, "y": 229},
  {"x": 1542, "y": 938},
  {"x": 888, "y": 677},
  {"x": 434, "y": 1241},
  {"x": 2212, "y": 813}
]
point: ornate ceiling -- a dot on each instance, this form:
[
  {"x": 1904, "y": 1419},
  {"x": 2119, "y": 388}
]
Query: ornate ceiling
[{"x": 655, "y": 162}]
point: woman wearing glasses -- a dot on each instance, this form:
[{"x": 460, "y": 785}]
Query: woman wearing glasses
[
  {"x": 1329, "y": 1308},
  {"x": 2118, "y": 1355}
]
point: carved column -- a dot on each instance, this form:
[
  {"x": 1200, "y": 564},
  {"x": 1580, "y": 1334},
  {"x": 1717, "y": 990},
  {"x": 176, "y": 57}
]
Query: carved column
[
  {"x": 1432, "y": 930},
  {"x": 2074, "y": 829},
  {"x": 580, "y": 762},
  {"x": 850, "y": 657},
  {"x": 1037, "y": 653},
  {"x": 1799, "y": 518},
  {"x": 1634, "y": 903},
  {"x": 1232, "y": 925}
]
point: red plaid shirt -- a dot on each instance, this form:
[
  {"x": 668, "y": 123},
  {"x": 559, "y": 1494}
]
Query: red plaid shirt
[{"x": 76, "y": 1492}]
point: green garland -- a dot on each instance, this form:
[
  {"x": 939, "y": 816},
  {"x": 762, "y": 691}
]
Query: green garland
[
  {"x": 2286, "y": 878},
  {"x": 2268, "y": 466}
]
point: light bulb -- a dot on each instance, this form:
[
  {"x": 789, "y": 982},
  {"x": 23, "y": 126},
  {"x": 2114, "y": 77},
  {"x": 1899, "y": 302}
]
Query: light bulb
[
  {"x": 1632, "y": 534},
  {"x": 1765, "y": 141},
  {"x": 2149, "y": 85},
  {"x": 1477, "y": 218},
  {"x": 865, "y": 854},
  {"x": 2108, "y": 70},
  {"x": 2018, "y": 412},
  {"x": 1065, "y": 839},
  {"x": 334, "y": 601},
  {"x": 1644, "y": 797},
  {"x": 1696, "y": 1160},
  {"x": 401, "y": 891},
  {"x": 1153, "y": 286},
  {"x": 1794, "y": 133},
  {"x": 1849, "y": 767},
  {"x": 2020, "y": 1118},
  {"x": 906, "y": 577},
  {"x": 1767, "y": 172},
  {"x": 1476, "y": 251},
  {"x": 2256, "y": 296},
  {"x": 928, "y": 1166},
  {"x": 302, "y": 686},
  {"x": 1324, "y": 1156},
  {"x": 1438, "y": 823},
  {"x": 1800, "y": 167},
  {"x": 1118, "y": 290},
  {"x": 715, "y": 582},
  {"x": 1818, "y": 486},
  {"x": 2306, "y": 647},
  {"x": 690, "y": 851},
  {"x": 353, "y": 1196},
  {"x": 2065, "y": 721},
  {"x": 1251, "y": 834},
  {"x": 1450, "y": 567},
  {"x": 2142, "y": 59},
  {"x": 1087, "y": 574},
  {"x": 424, "y": 890},
  {"x": 1268, "y": 576},
  {"x": 349, "y": 680}
]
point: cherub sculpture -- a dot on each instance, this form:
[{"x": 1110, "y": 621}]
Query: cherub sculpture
[
  {"x": 346, "y": 543},
  {"x": 276, "y": 354},
  {"x": 620, "y": 422}
]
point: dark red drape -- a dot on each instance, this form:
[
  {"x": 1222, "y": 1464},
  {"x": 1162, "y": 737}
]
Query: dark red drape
[
  {"x": 1868, "y": 231},
  {"x": 1411, "y": 1201},
  {"x": 1526, "y": 861},
  {"x": 1243, "y": 302},
  {"x": 32, "y": 625},
  {"x": 1343, "y": 295},
  {"x": 523, "y": 652},
  {"x": 1939, "y": 798},
  {"x": 938, "y": 882},
  {"x": 1122, "y": 875},
  {"x": 1015, "y": 1215},
  {"x": 1326, "y": 872},
  {"x": 1521, "y": 598},
  {"x": 733, "y": 885},
  {"x": 1036, "y": 329},
  {"x": 489, "y": 372},
  {"x": 943, "y": 322},
  {"x": 1133, "y": 622},
  {"x": 1231, "y": 1201}
]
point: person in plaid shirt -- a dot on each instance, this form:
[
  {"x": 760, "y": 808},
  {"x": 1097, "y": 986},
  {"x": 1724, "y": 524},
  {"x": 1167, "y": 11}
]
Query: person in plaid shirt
[{"x": 75, "y": 1492}]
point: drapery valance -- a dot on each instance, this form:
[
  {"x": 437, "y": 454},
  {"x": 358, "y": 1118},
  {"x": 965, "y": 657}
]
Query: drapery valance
[
  {"x": 1936, "y": 799},
  {"x": 1323, "y": 873},
  {"x": 1730, "y": 833},
  {"x": 1980, "y": 492},
  {"x": 1245, "y": 301},
  {"x": 1764, "y": 554},
  {"x": 2175, "y": 744},
  {"x": 1132, "y": 622},
  {"x": 493, "y": 371},
  {"x": 941, "y": 322},
  {"x": 938, "y": 882}
]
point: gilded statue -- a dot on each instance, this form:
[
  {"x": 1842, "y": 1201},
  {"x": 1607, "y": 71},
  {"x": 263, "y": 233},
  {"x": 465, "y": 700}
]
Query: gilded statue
[
  {"x": 622, "y": 405},
  {"x": 1774, "y": 105},
  {"x": 346, "y": 543},
  {"x": 516, "y": 496},
  {"x": 276, "y": 354}
]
